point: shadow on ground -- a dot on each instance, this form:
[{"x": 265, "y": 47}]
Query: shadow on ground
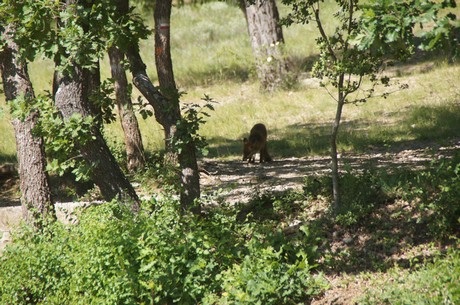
[
  {"x": 380, "y": 240},
  {"x": 415, "y": 127}
]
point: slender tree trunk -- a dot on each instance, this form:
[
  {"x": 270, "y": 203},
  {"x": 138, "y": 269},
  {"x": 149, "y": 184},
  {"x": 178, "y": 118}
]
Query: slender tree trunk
[
  {"x": 133, "y": 138},
  {"x": 334, "y": 155},
  {"x": 267, "y": 41},
  {"x": 35, "y": 191},
  {"x": 335, "y": 159},
  {"x": 163, "y": 62},
  {"x": 190, "y": 177}
]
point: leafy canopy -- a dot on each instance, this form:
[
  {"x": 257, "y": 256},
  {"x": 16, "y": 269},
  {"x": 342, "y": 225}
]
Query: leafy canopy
[{"x": 71, "y": 34}]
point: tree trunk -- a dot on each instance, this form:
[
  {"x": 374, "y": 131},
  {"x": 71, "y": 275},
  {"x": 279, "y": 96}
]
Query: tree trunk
[
  {"x": 133, "y": 138},
  {"x": 71, "y": 98},
  {"x": 36, "y": 198},
  {"x": 335, "y": 159},
  {"x": 190, "y": 176},
  {"x": 163, "y": 62},
  {"x": 267, "y": 41},
  {"x": 165, "y": 118},
  {"x": 167, "y": 113},
  {"x": 334, "y": 154}
]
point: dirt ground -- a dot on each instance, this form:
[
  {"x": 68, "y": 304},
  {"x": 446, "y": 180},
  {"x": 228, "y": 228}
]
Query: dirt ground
[{"x": 236, "y": 181}]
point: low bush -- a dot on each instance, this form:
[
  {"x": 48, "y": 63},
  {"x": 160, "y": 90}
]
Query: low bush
[
  {"x": 94, "y": 262},
  {"x": 360, "y": 194},
  {"x": 160, "y": 256}
]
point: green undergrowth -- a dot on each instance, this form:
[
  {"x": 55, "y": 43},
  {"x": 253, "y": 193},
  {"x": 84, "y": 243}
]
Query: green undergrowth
[
  {"x": 158, "y": 257},
  {"x": 434, "y": 282},
  {"x": 396, "y": 228},
  {"x": 271, "y": 250}
]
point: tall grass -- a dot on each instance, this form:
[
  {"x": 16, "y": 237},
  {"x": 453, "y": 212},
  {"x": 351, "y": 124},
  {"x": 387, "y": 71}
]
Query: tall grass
[{"x": 212, "y": 55}]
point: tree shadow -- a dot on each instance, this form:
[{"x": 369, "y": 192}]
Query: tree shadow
[
  {"x": 214, "y": 75},
  {"x": 6, "y": 158},
  {"x": 389, "y": 228},
  {"x": 391, "y": 232},
  {"x": 417, "y": 127}
]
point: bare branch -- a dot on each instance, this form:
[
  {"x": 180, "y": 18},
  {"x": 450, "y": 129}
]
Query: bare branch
[{"x": 323, "y": 34}]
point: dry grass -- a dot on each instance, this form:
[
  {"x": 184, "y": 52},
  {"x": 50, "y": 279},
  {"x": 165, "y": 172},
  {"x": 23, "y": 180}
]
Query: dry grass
[{"x": 298, "y": 119}]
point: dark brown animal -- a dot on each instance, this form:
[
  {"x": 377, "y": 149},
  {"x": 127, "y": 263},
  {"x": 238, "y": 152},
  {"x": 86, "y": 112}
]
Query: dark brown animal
[{"x": 257, "y": 143}]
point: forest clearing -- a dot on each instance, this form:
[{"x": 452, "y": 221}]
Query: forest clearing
[{"x": 379, "y": 225}]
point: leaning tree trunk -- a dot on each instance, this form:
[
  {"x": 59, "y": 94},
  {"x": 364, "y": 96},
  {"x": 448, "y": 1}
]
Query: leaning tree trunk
[
  {"x": 71, "y": 97},
  {"x": 267, "y": 41},
  {"x": 133, "y": 138},
  {"x": 190, "y": 176},
  {"x": 166, "y": 119},
  {"x": 36, "y": 198},
  {"x": 167, "y": 113}
]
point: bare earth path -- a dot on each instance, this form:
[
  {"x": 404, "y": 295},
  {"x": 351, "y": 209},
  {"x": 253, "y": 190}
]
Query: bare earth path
[{"x": 238, "y": 181}]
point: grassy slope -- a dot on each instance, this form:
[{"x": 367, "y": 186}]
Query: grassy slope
[{"x": 214, "y": 57}]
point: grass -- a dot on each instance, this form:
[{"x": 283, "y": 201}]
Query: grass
[
  {"x": 431, "y": 283},
  {"x": 298, "y": 119},
  {"x": 7, "y": 141}
]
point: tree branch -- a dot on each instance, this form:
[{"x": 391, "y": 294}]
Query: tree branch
[{"x": 323, "y": 34}]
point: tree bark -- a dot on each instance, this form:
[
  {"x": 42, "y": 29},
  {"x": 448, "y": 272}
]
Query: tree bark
[
  {"x": 189, "y": 186},
  {"x": 165, "y": 73},
  {"x": 190, "y": 176},
  {"x": 36, "y": 197},
  {"x": 334, "y": 157},
  {"x": 133, "y": 138},
  {"x": 267, "y": 41},
  {"x": 72, "y": 98},
  {"x": 167, "y": 113}
]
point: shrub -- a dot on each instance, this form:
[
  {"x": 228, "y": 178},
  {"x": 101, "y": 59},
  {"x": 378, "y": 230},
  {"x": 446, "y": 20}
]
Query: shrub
[
  {"x": 94, "y": 262},
  {"x": 160, "y": 256},
  {"x": 181, "y": 255},
  {"x": 361, "y": 193},
  {"x": 35, "y": 268},
  {"x": 268, "y": 274}
]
